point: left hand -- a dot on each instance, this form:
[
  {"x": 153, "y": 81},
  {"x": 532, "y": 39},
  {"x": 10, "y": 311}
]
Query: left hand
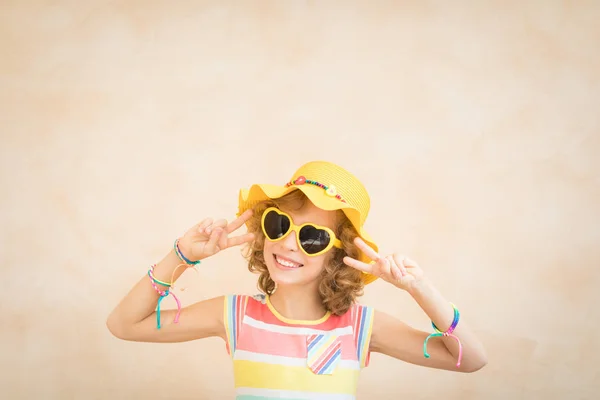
[{"x": 396, "y": 269}]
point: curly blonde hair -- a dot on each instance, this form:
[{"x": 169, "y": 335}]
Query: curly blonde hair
[{"x": 340, "y": 284}]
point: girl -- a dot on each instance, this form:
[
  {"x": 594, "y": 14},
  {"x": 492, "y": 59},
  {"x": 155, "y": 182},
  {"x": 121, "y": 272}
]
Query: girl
[{"x": 305, "y": 337}]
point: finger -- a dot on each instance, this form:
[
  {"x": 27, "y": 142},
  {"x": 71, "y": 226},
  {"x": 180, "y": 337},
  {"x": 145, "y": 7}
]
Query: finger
[
  {"x": 238, "y": 240},
  {"x": 396, "y": 272},
  {"x": 409, "y": 263},
  {"x": 239, "y": 221},
  {"x": 387, "y": 264},
  {"x": 399, "y": 259},
  {"x": 211, "y": 246},
  {"x": 222, "y": 240},
  {"x": 220, "y": 223},
  {"x": 359, "y": 265},
  {"x": 372, "y": 254},
  {"x": 204, "y": 224}
]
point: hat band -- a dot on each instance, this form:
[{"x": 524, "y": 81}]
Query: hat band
[{"x": 330, "y": 190}]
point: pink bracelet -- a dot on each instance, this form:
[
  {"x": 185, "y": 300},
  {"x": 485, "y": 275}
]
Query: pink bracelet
[{"x": 163, "y": 294}]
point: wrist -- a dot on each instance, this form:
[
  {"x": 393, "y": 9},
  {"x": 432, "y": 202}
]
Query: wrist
[
  {"x": 184, "y": 253},
  {"x": 420, "y": 287},
  {"x": 184, "y": 248}
]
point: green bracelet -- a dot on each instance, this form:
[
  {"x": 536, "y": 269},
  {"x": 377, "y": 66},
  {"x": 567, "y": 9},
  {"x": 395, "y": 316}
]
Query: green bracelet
[{"x": 181, "y": 256}]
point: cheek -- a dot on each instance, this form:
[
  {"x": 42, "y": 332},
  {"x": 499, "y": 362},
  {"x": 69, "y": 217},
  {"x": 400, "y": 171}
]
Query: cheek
[
  {"x": 268, "y": 249},
  {"x": 316, "y": 263}
]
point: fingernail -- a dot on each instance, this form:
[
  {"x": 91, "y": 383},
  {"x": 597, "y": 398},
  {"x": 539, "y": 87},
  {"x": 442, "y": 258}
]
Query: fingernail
[{"x": 208, "y": 230}]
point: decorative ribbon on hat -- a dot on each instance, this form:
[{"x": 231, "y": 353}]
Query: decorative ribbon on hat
[{"x": 329, "y": 190}]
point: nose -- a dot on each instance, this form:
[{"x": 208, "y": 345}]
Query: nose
[{"x": 289, "y": 242}]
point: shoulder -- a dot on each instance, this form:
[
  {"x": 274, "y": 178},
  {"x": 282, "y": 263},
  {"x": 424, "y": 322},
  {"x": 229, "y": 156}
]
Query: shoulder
[
  {"x": 238, "y": 303},
  {"x": 361, "y": 313},
  {"x": 359, "y": 317}
]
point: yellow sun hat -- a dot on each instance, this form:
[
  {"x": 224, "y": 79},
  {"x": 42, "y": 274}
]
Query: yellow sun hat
[{"x": 329, "y": 187}]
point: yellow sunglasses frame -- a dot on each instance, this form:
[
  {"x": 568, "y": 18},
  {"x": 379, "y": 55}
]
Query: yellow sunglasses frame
[{"x": 296, "y": 228}]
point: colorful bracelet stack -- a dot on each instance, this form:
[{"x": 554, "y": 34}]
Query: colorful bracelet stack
[
  {"x": 169, "y": 285},
  {"x": 448, "y": 333},
  {"x": 163, "y": 294},
  {"x": 182, "y": 257}
]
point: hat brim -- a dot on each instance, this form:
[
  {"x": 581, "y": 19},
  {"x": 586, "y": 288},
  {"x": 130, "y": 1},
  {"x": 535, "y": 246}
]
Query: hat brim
[{"x": 260, "y": 192}]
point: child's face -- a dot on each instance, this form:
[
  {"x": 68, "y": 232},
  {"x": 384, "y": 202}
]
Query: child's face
[{"x": 300, "y": 269}]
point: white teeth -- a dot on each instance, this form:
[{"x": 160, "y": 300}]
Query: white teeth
[{"x": 286, "y": 263}]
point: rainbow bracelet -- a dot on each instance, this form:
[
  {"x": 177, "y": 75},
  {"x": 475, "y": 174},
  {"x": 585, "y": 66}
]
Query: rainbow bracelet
[
  {"x": 454, "y": 321},
  {"x": 448, "y": 333},
  {"x": 181, "y": 256}
]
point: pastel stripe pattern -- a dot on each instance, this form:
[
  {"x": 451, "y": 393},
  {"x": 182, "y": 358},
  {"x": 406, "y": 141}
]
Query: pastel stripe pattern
[
  {"x": 324, "y": 352},
  {"x": 278, "y": 358},
  {"x": 363, "y": 326},
  {"x": 234, "y": 310}
]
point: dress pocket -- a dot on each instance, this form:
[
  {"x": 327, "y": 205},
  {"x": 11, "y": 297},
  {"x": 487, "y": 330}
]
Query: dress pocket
[{"x": 323, "y": 354}]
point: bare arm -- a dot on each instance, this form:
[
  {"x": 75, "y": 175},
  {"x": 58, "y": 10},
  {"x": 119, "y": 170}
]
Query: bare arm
[
  {"x": 396, "y": 339},
  {"x": 135, "y": 318},
  {"x": 392, "y": 337}
]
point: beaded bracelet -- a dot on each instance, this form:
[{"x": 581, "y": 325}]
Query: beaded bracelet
[
  {"x": 448, "y": 333},
  {"x": 162, "y": 294},
  {"x": 181, "y": 256}
]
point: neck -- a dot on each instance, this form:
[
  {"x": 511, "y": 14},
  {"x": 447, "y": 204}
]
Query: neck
[{"x": 298, "y": 302}]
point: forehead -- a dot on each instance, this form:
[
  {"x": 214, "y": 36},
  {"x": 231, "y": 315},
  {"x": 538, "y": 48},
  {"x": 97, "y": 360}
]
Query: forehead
[{"x": 311, "y": 213}]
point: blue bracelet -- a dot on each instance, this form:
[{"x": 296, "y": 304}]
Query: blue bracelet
[{"x": 181, "y": 256}]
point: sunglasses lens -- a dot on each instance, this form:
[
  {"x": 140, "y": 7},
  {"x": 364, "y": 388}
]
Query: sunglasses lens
[
  {"x": 314, "y": 240},
  {"x": 276, "y": 225}
]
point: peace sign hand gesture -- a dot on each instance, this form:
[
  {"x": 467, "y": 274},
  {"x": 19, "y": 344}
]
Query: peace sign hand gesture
[
  {"x": 210, "y": 237},
  {"x": 396, "y": 269}
]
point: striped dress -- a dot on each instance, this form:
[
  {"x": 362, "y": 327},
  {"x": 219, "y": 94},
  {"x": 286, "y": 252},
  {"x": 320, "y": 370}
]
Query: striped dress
[{"x": 278, "y": 358}]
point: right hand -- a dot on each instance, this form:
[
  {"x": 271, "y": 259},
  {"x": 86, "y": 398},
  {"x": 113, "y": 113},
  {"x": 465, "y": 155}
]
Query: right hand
[{"x": 209, "y": 237}]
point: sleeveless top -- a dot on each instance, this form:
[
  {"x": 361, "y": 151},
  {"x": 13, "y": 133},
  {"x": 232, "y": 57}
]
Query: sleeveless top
[{"x": 278, "y": 358}]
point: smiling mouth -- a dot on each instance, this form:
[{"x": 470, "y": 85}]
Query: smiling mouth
[{"x": 285, "y": 263}]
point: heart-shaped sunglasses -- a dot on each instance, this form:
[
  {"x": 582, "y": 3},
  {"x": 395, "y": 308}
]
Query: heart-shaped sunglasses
[{"x": 312, "y": 239}]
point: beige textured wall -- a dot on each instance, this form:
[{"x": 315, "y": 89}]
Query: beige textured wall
[{"x": 475, "y": 126}]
